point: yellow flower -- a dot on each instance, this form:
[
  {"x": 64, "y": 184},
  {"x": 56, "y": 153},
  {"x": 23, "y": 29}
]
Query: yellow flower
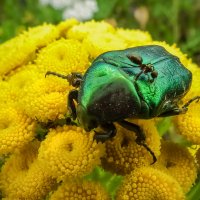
[
  {"x": 179, "y": 163},
  {"x": 45, "y": 99},
  {"x": 82, "y": 30},
  {"x": 14, "y": 53},
  {"x": 20, "y": 50},
  {"x": 134, "y": 37},
  {"x": 69, "y": 152},
  {"x": 16, "y": 129},
  {"x": 41, "y": 35},
  {"x": 101, "y": 42},
  {"x": 8, "y": 95},
  {"x": 195, "y": 89},
  {"x": 147, "y": 183},
  {"x": 188, "y": 124},
  {"x": 63, "y": 56},
  {"x": 34, "y": 184},
  {"x": 24, "y": 177},
  {"x": 80, "y": 190},
  {"x": 123, "y": 154},
  {"x": 23, "y": 79},
  {"x": 64, "y": 26}
]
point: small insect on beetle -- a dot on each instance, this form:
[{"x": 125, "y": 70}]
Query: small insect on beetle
[{"x": 141, "y": 82}]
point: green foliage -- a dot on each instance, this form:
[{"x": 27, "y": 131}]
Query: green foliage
[
  {"x": 17, "y": 15},
  {"x": 108, "y": 180},
  {"x": 194, "y": 193}
]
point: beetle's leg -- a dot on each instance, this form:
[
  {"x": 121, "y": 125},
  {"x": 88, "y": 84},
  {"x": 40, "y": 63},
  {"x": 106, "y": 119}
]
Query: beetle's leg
[
  {"x": 110, "y": 132},
  {"x": 140, "y": 140},
  {"x": 56, "y": 74},
  {"x": 74, "y": 78},
  {"x": 73, "y": 95},
  {"x": 190, "y": 101},
  {"x": 177, "y": 111},
  {"x": 139, "y": 74}
]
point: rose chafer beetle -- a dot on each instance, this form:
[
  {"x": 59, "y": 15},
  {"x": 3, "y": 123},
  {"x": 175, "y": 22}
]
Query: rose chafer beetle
[{"x": 141, "y": 82}]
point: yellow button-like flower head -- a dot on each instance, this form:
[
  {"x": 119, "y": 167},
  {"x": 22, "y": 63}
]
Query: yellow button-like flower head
[
  {"x": 24, "y": 177},
  {"x": 147, "y": 183},
  {"x": 16, "y": 129},
  {"x": 188, "y": 124},
  {"x": 179, "y": 163},
  {"x": 70, "y": 152},
  {"x": 63, "y": 56},
  {"x": 21, "y": 49},
  {"x": 45, "y": 99},
  {"x": 134, "y": 37},
  {"x": 82, "y": 30},
  {"x": 79, "y": 191}
]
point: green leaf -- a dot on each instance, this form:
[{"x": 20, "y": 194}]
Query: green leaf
[
  {"x": 194, "y": 193},
  {"x": 105, "y": 8},
  {"x": 164, "y": 125},
  {"x": 110, "y": 181}
]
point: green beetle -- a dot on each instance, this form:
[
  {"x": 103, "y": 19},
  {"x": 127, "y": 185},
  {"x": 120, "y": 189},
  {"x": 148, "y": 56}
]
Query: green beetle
[{"x": 141, "y": 82}]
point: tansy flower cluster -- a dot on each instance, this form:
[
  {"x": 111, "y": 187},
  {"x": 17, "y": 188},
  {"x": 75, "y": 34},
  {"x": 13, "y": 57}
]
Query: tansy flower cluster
[{"x": 43, "y": 157}]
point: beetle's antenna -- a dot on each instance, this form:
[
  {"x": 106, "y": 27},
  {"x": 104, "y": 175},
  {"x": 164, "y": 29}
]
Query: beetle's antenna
[{"x": 57, "y": 74}]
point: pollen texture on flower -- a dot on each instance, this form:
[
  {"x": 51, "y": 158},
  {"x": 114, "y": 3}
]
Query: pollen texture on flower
[
  {"x": 45, "y": 99},
  {"x": 16, "y": 129},
  {"x": 188, "y": 124},
  {"x": 179, "y": 163},
  {"x": 20, "y": 50},
  {"x": 63, "y": 56},
  {"x": 70, "y": 152},
  {"x": 146, "y": 183},
  {"x": 80, "y": 190},
  {"x": 24, "y": 177},
  {"x": 123, "y": 154},
  {"x": 17, "y": 163}
]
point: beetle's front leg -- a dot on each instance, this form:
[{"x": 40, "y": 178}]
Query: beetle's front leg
[
  {"x": 74, "y": 78},
  {"x": 110, "y": 132},
  {"x": 73, "y": 95},
  {"x": 185, "y": 107},
  {"x": 140, "y": 140},
  {"x": 177, "y": 111}
]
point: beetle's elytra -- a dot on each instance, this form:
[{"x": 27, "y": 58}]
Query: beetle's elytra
[{"x": 141, "y": 82}]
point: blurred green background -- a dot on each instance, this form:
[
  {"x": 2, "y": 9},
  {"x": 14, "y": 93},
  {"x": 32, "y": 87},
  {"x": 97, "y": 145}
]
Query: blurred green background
[{"x": 174, "y": 21}]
